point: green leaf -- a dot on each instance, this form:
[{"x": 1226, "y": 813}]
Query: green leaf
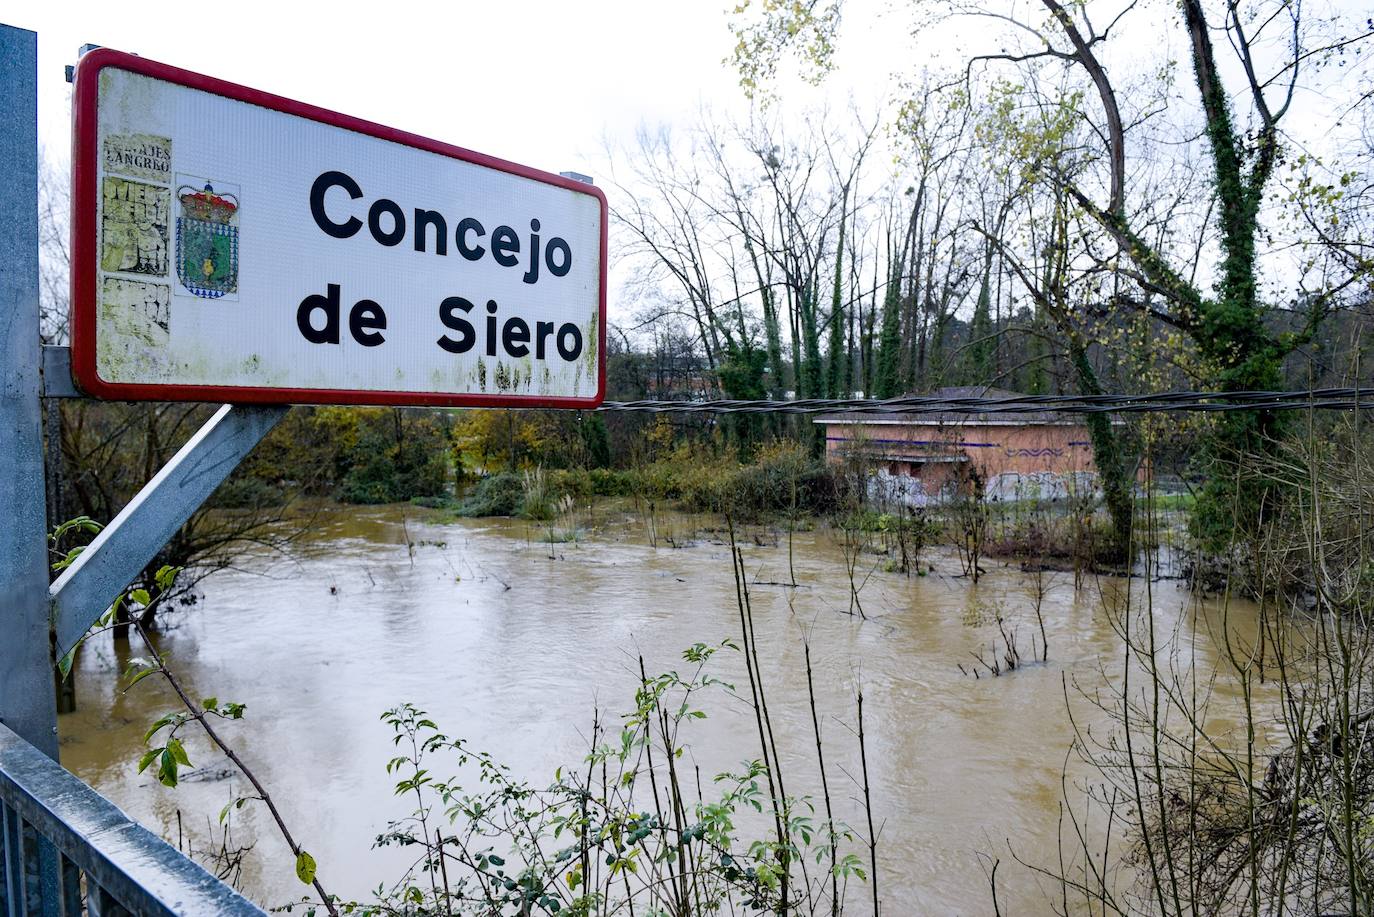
[
  {"x": 68, "y": 560},
  {"x": 165, "y": 576},
  {"x": 148, "y": 757},
  {"x": 167, "y": 768},
  {"x": 156, "y": 727},
  {"x": 305, "y": 867},
  {"x": 144, "y": 673},
  {"x": 136, "y": 663},
  {"x": 141, "y": 596},
  {"x": 179, "y": 753},
  {"x": 64, "y": 665},
  {"x": 210, "y": 703}
]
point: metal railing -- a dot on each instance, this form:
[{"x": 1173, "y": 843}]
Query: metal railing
[{"x": 66, "y": 850}]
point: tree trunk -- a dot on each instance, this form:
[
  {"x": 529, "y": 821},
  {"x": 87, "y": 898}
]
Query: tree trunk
[{"x": 837, "y": 372}]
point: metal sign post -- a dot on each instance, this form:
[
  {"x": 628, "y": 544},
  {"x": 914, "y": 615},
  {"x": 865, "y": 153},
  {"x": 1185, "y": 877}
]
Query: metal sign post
[{"x": 27, "y": 701}]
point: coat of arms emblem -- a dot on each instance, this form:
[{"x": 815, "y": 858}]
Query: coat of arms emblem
[{"x": 208, "y": 241}]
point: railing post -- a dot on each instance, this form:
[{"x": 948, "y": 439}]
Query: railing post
[
  {"x": 54, "y": 829},
  {"x": 27, "y": 704}
]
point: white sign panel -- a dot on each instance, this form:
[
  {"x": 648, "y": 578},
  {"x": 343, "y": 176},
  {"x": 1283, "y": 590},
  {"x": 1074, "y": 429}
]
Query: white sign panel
[{"x": 232, "y": 245}]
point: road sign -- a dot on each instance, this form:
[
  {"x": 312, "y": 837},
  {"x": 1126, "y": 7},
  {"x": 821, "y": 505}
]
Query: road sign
[{"x": 232, "y": 245}]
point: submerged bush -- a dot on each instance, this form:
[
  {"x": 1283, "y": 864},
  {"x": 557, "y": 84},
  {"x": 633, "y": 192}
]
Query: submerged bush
[
  {"x": 390, "y": 455},
  {"x": 782, "y": 478},
  {"x": 496, "y": 495}
]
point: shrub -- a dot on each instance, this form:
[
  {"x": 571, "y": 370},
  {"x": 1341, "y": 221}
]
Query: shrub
[
  {"x": 783, "y": 477},
  {"x": 438, "y": 502},
  {"x": 495, "y": 495},
  {"x": 605, "y": 482},
  {"x": 393, "y": 455},
  {"x": 572, "y": 482}
]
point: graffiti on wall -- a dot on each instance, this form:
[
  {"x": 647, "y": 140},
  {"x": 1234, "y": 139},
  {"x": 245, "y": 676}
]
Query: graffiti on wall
[
  {"x": 888, "y": 489},
  {"x": 1040, "y": 485}
]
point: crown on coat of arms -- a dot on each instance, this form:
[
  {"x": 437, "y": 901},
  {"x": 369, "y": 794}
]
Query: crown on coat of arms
[{"x": 207, "y": 205}]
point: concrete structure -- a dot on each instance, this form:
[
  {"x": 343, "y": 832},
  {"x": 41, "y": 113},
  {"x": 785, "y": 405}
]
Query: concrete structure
[{"x": 927, "y": 457}]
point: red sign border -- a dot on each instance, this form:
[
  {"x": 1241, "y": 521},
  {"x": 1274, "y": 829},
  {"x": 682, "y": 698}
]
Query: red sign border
[{"x": 84, "y": 243}]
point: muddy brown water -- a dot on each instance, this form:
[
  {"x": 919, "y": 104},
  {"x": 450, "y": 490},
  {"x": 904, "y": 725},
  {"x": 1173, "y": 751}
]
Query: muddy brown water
[{"x": 320, "y": 643}]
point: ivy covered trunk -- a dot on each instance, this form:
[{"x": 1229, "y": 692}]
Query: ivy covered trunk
[
  {"x": 1229, "y": 328},
  {"x": 1111, "y": 466}
]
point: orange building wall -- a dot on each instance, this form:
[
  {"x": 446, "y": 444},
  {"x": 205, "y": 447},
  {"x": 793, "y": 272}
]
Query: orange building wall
[{"x": 1000, "y": 452}]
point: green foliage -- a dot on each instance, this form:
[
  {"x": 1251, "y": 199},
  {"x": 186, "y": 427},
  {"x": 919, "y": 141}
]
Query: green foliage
[
  {"x": 496, "y": 495},
  {"x": 396, "y": 456},
  {"x": 618, "y": 829},
  {"x": 60, "y": 547},
  {"x": 596, "y": 440},
  {"x": 782, "y": 475},
  {"x": 543, "y": 501},
  {"x": 887, "y": 382},
  {"x": 170, "y": 758},
  {"x": 1035, "y": 142},
  {"x": 837, "y": 369},
  {"x": 741, "y": 373},
  {"x": 495, "y": 440},
  {"x": 767, "y": 30},
  {"x": 981, "y": 367},
  {"x": 355, "y": 454}
]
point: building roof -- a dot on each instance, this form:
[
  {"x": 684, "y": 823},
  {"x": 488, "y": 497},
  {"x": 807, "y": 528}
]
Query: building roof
[{"x": 940, "y": 413}]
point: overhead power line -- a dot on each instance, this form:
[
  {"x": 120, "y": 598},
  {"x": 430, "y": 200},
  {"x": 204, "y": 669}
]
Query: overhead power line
[{"x": 1324, "y": 399}]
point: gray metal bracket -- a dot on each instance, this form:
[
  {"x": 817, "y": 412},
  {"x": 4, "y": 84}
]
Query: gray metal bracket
[
  {"x": 57, "y": 373},
  {"x": 85, "y": 589}
]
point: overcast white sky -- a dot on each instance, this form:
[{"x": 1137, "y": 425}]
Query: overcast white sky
[
  {"x": 541, "y": 83},
  {"x": 535, "y": 82},
  {"x": 538, "y": 82}
]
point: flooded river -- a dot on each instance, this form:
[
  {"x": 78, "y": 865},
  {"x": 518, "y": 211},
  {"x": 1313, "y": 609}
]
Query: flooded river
[{"x": 512, "y": 649}]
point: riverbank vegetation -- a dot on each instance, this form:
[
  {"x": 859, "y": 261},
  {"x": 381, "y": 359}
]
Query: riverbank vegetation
[{"x": 1271, "y": 812}]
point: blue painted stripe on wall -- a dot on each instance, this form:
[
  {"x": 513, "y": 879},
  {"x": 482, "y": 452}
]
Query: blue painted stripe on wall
[{"x": 911, "y": 442}]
